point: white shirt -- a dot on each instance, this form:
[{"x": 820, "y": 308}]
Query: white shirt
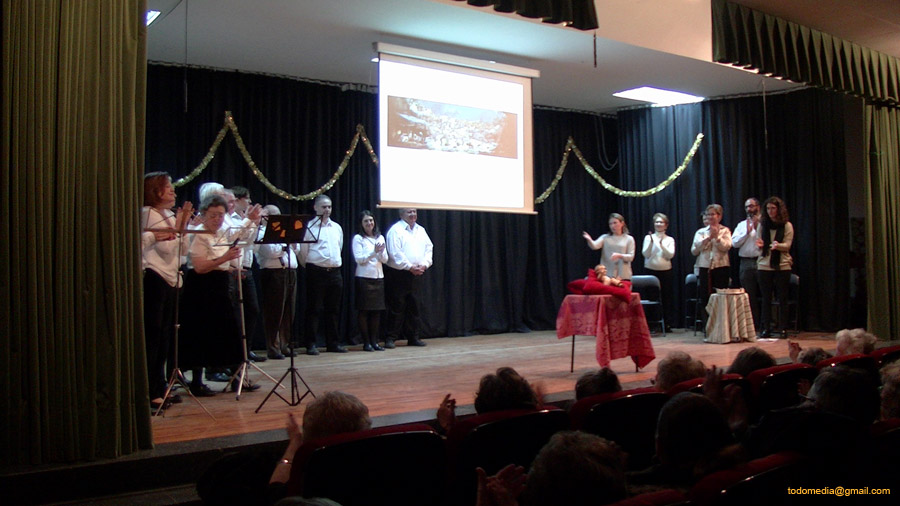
[
  {"x": 408, "y": 246},
  {"x": 161, "y": 256},
  {"x": 622, "y": 244},
  {"x": 326, "y": 252},
  {"x": 368, "y": 262},
  {"x": 276, "y": 255},
  {"x": 250, "y": 248},
  {"x": 715, "y": 253},
  {"x": 659, "y": 252},
  {"x": 746, "y": 242},
  {"x": 212, "y": 247}
]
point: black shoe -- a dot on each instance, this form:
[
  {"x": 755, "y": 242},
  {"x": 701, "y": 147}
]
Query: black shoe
[
  {"x": 202, "y": 391},
  {"x": 765, "y": 334},
  {"x": 154, "y": 406},
  {"x": 256, "y": 358},
  {"x": 312, "y": 350},
  {"x": 377, "y": 347},
  {"x": 287, "y": 352},
  {"x": 217, "y": 377},
  {"x": 336, "y": 349},
  {"x": 415, "y": 342},
  {"x": 276, "y": 356},
  {"x": 368, "y": 347},
  {"x": 173, "y": 398},
  {"x": 388, "y": 343}
]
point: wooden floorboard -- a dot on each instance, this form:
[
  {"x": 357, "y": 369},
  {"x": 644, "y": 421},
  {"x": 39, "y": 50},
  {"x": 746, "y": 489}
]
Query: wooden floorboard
[{"x": 407, "y": 383}]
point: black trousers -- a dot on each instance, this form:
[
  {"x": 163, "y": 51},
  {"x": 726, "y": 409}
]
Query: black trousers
[
  {"x": 159, "y": 327},
  {"x": 279, "y": 295},
  {"x": 324, "y": 288},
  {"x": 401, "y": 290},
  {"x": 710, "y": 279},
  {"x": 780, "y": 281}
]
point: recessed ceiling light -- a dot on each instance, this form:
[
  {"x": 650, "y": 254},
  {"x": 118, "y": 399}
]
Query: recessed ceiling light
[
  {"x": 151, "y": 16},
  {"x": 657, "y": 96}
]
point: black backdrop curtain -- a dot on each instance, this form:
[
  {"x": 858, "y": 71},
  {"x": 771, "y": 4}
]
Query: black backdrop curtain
[
  {"x": 493, "y": 272},
  {"x": 801, "y": 159}
]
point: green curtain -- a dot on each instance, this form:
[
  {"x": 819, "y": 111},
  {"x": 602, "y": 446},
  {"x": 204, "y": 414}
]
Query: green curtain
[
  {"x": 753, "y": 39},
  {"x": 883, "y": 223},
  {"x": 71, "y": 348}
]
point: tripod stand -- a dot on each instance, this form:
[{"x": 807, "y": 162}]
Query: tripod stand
[
  {"x": 284, "y": 230},
  {"x": 241, "y": 373},
  {"x": 177, "y": 377}
]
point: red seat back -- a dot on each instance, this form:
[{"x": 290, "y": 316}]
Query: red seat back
[
  {"x": 760, "y": 481},
  {"x": 776, "y": 387},
  {"x": 886, "y": 355}
]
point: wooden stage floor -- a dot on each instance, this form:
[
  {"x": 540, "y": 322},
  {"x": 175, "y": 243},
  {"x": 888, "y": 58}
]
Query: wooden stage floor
[{"x": 407, "y": 383}]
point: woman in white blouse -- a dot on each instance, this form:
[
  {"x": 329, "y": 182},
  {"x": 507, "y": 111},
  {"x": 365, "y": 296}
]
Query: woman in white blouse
[
  {"x": 161, "y": 251},
  {"x": 211, "y": 335},
  {"x": 711, "y": 246},
  {"x": 617, "y": 248},
  {"x": 658, "y": 250},
  {"x": 370, "y": 253}
]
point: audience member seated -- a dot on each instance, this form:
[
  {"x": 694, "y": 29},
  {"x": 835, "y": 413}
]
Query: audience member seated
[
  {"x": 749, "y": 360},
  {"x": 678, "y": 366},
  {"x": 692, "y": 440},
  {"x": 573, "y": 468},
  {"x": 505, "y": 389},
  {"x": 890, "y": 391},
  {"x": 831, "y": 426},
  {"x": 598, "y": 283},
  {"x": 602, "y": 381},
  {"x": 851, "y": 341},
  {"x": 330, "y": 414},
  {"x": 810, "y": 356}
]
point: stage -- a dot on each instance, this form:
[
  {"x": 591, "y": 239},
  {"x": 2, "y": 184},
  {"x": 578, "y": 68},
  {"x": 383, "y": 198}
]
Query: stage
[{"x": 407, "y": 383}]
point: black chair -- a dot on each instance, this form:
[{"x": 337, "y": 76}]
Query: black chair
[
  {"x": 651, "y": 297},
  {"x": 354, "y": 468},
  {"x": 692, "y": 302}
]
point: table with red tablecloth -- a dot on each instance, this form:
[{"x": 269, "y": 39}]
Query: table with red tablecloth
[{"x": 620, "y": 327}]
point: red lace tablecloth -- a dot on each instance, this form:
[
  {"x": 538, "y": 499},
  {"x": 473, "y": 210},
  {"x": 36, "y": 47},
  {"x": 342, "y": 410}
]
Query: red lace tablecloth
[{"x": 620, "y": 327}]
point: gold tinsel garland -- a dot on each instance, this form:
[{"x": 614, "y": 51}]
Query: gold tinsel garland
[
  {"x": 361, "y": 134},
  {"x": 570, "y": 146},
  {"x": 230, "y": 125}
]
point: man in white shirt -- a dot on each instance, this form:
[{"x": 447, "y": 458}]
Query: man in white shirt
[
  {"x": 324, "y": 283},
  {"x": 278, "y": 277},
  {"x": 410, "y": 253},
  {"x": 744, "y": 238}
]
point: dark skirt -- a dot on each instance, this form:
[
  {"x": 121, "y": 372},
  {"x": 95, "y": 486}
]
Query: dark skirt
[
  {"x": 209, "y": 335},
  {"x": 370, "y": 294}
]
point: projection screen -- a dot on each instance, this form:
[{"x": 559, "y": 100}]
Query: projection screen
[{"x": 454, "y": 133}]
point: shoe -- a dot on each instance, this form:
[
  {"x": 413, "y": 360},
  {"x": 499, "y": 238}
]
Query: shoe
[
  {"x": 275, "y": 356},
  {"x": 202, "y": 391},
  {"x": 377, "y": 347},
  {"x": 217, "y": 377},
  {"x": 287, "y": 352},
  {"x": 368, "y": 347},
  {"x": 312, "y": 350},
  {"x": 256, "y": 358},
  {"x": 388, "y": 343},
  {"x": 174, "y": 398},
  {"x": 336, "y": 349},
  {"x": 252, "y": 387},
  {"x": 415, "y": 342},
  {"x": 154, "y": 406},
  {"x": 765, "y": 334}
]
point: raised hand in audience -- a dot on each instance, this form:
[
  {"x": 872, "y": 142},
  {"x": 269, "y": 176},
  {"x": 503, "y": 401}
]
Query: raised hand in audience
[
  {"x": 282, "y": 471},
  {"x": 501, "y": 489},
  {"x": 446, "y": 412},
  {"x": 729, "y": 399},
  {"x": 794, "y": 350}
]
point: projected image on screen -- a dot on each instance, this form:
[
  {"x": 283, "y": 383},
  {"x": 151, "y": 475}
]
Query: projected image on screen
[
  {"x": 424, "y": 124},
  {"x": 453, "y": 136}
]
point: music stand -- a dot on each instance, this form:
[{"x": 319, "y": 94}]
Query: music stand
[
  {"x": 289, "y": 229},
  {"x": 179, "y": 230}
]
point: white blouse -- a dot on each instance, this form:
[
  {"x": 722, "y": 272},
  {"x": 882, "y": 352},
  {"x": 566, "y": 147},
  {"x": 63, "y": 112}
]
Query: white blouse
[{"x": 369, "y": 264}]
